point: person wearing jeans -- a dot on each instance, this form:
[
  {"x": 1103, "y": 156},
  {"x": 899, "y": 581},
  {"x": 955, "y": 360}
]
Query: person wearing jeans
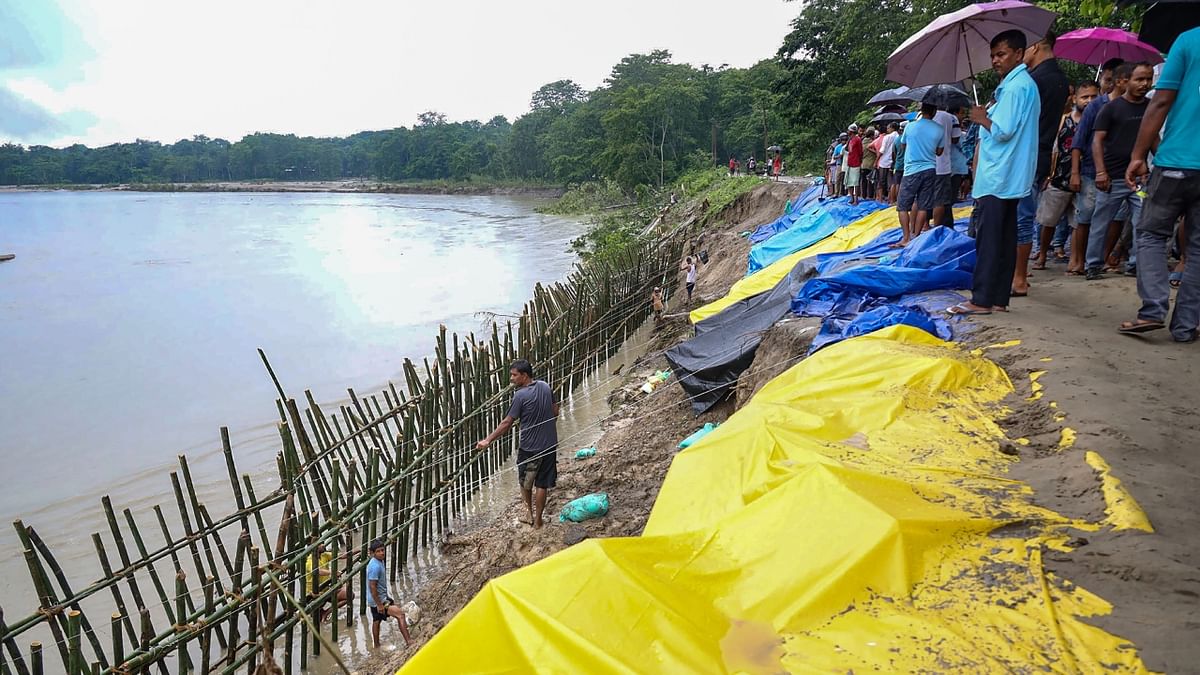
[
  {"x": 1116, "y": 134},
  {"x": 1173, "y": 190},
  {"x": 1083, "y": 169},
  {"x": 1107, "y": 206}
]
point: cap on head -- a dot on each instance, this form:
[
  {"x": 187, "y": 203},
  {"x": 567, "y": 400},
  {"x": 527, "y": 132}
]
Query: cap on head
[{"x": 852, "y": 127}]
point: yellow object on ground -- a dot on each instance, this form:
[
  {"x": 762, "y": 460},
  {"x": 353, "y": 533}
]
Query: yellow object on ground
[
  {"x": 853, "y": 516},
  {"x": 1124, "y": 513},
  {"x": 857, "y": 233}
]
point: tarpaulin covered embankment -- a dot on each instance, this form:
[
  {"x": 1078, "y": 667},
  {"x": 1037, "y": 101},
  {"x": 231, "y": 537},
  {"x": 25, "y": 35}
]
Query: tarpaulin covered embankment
[
  {"x": 802, "y": 203},
  {"x": 852, "y": 516},
  {"x": 819, "y": 220},
  {"x": 854, "y": 292},
  {"x": 847, "y": 238}
]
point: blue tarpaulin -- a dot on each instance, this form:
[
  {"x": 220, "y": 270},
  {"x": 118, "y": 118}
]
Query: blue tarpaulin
[
  {"x": 799, "y": 205},
  {"x": 921, "y": 310},
  {"x": 820, "y": 220},
  {"x": 858, "y": 299}
]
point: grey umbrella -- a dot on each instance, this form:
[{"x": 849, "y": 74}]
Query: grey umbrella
[
  {"x": 941, "y": 95},
  {"x": 887, "y": 117},
  {"x": 890, "y": 96}
]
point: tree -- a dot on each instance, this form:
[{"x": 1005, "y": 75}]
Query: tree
[{"x": 557, "y": 96}]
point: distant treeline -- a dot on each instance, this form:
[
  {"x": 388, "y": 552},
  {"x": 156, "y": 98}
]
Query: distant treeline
[{"x": 648, "y": 123}]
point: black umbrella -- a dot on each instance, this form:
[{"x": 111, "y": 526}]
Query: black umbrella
[
  {"x": 891, "y": 108},
  {"x": 1164, "y": 20},
  {"x": 887, "y": 117},
  {"x": 944, "y": 96},
  {"x": 886, "y": 96}
]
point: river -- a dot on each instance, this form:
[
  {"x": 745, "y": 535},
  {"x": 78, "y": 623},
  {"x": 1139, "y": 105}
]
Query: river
[{"x": 129, "y": 324}]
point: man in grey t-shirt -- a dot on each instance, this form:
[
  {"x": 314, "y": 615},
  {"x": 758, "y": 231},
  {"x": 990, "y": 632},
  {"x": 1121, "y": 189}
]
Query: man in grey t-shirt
[{"x": 535, "y": 408}]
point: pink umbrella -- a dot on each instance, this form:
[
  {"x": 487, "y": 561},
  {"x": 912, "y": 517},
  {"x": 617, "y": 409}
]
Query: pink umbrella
[
  {"x": 1094, "y": 46},
  {"x": 956, "y": 46}
]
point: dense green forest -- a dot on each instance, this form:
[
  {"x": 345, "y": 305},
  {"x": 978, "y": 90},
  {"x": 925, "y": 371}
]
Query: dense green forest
[{"x": 648, "y": 123}]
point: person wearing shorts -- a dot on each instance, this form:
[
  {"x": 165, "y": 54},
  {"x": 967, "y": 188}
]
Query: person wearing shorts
[
  {"x": 920, "y": 186},
  {"x": 535, "y": 407},
  {"x": 382, "y": 606}
]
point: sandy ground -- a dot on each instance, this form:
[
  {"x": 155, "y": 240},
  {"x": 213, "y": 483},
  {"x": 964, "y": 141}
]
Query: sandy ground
[{"x": 1134, "y": 400}]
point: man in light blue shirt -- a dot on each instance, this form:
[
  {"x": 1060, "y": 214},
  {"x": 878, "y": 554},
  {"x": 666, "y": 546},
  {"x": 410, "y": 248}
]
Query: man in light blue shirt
[
  {"x": 924, "y": 144},
  {"x": 1172, "y": 191},
  {"x": 1008, "y": 146}
]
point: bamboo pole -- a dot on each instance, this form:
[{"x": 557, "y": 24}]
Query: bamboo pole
[
  {"x": 253, "y": 609},
  {"x": 35, "y": 659},
  {"x": 181, "y": 593},
  {"x": 118, "y": 641},
  {"x": 49, "y": 606},
  {"x": 75, "y": 661},
  {"x": 14, "y": 651},
  {"x": 154, "y": 578},
  {"x": 65, "y": 586}
]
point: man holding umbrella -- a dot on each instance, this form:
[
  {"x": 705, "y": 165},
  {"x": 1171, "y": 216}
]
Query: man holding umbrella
[{"x": 1008, "y": 153}]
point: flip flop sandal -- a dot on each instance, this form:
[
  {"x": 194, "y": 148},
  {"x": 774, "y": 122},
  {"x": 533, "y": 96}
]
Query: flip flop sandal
[
  {"x": 962, "y": 310},
  {"x": 1138, "y": 327},
  {"x": 1076, "y": 273},
  {"x": 1018, "y": 294},
  {"x": 1038, "y": 266}
]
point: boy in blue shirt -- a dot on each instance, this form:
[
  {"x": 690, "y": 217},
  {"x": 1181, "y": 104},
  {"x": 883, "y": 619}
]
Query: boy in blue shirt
[
  {"x": 1172, "y": 191},
  {"x": 382, "y": 605}
]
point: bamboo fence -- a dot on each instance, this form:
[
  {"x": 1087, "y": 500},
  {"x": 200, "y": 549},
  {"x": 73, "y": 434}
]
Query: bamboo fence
[{"x": 224, "y": 595}]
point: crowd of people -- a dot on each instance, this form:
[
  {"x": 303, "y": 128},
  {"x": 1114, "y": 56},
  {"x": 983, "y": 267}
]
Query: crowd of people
[{"x": 1101, "y": 176}]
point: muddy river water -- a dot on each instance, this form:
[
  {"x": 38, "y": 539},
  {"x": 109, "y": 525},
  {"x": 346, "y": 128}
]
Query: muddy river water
[{"x": 129, "y": 324}]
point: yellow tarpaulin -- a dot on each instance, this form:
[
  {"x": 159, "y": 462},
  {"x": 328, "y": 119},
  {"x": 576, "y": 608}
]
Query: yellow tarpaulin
[
  {"x": 857, "y": 233},
  {"x": 853, "y": 516}
]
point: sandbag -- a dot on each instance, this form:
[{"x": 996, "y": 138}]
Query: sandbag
[
  {"x": 586, "y": 507},
  {"x": 700, "y": 433}
]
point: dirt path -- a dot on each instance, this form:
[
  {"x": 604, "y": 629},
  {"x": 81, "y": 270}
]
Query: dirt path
[{"x": 1133, "y": 400}]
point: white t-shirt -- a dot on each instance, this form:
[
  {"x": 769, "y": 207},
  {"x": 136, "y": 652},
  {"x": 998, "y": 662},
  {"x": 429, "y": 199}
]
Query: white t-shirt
[
  {"x": 691, "y": 273},
  {"x": 885, "y": 150},
  {"x": 942, "y": 161}
]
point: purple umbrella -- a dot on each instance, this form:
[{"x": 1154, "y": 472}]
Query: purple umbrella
[
  {"x": 1094, "y": 46},
  {"x": 956, "y": 46}
]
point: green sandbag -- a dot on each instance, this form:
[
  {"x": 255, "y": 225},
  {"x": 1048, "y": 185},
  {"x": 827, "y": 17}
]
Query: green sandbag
[
  {"x": 584, "y": 453},
  {"x": 586, "y": 507},
  {"x": 700, "y": 433}
]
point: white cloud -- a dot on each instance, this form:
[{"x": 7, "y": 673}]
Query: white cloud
[{"x": 164, "y": 71}]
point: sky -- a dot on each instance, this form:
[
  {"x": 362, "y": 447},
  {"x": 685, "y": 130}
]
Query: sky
[{"x": 93, "y": 72}]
